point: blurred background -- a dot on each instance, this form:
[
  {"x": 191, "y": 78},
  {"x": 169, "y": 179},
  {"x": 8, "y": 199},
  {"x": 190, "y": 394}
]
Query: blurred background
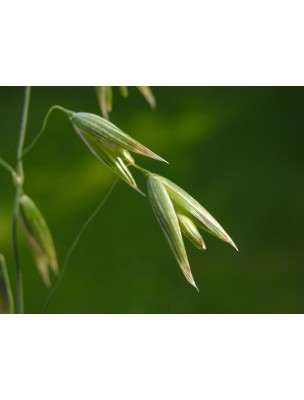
[{"x": 237, "y": 150}]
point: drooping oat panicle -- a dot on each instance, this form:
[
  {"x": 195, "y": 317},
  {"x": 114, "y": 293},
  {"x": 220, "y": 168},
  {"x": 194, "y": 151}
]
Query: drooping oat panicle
[
  {"x": 6, "y": 298},
  {"x": 148, "y": 95},
  {"x": 38, "y": 237},
  {"x": 115, "y": 161},
  {"x": 190, "y": 230},
  {"x": 108, "y": 134},
  {"x": 167, "y": 218},
  {"x": 188, "y": 206}
]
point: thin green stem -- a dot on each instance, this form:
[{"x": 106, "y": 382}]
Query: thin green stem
[
  {"x": 74, "y": 244},
  {"x": 23, "y": 131},
  {"x": 5, "y": 165},
  {"x": 19, "y": 188},
  {"x": 144, "y": 171},
  {"x": 45, "y": 121}
]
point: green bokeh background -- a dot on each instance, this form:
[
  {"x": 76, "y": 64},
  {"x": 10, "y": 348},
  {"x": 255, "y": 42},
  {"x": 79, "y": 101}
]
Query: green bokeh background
[{"x": 238, "y": 150}]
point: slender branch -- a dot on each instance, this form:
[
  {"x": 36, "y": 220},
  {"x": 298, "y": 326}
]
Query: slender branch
[
  {"x": 144, "y": 171},
  {"x": 45, "y": 121},
  {"x": 19, "y": 186},
  {"x": 74, "y": 244},
  {"x": 5, "y": 165}
]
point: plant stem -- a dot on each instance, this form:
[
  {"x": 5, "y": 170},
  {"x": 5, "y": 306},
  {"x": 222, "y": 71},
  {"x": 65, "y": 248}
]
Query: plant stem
[
  {"x": 144, "y": 171},
  {"x": 45, "y": 121},
  {"x": 19, "y": 188},
  {"x": 23, "y": 131},
  {"x": 6, "y": 165}
]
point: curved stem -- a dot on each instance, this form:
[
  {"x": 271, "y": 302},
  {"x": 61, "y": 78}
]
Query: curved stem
[
  {"x": 6, "y": 165},
  {"x": 144, "y": 171},
  {"x": 19, "y": 186},
  {"x": 45, "y": 121}
]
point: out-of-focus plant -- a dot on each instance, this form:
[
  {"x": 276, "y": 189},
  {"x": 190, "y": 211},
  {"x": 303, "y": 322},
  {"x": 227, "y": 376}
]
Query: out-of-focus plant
[
  {"x": 6, "y": 297},
  {"x": 25, "y": 211},
  {"x": 38, "y": 237},
  {"x": 105, "y": 97},
  {"x": 176, "y": 211}
]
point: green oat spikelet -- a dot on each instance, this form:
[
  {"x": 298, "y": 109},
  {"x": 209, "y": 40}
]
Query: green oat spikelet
[
  {"x": 39, "y": 238},
  {"x": 115, "y": 161},
  {"x": 177, "y": 212},
  {"x": 167, "y": 218},
  {"x": 108, "y": 134},
  {"x": 109, "y": 144},
  {"x": 6, "y": 298},
  {"x": 188, "y": 206}
]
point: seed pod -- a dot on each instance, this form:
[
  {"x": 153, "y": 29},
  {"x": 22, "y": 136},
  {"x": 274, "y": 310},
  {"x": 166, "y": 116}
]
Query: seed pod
[
  {"x": 188, "y": 206},
  {"x": 6, "y": 298},
  {"x": 189, "y": 229},
  {"x": 166, "y": 216},
  {"x": 108, "y": 134},
  {"x": 148, "y": 95},
  {"x": 111, "y": 160},
  {"x": 38, "y": 237}
]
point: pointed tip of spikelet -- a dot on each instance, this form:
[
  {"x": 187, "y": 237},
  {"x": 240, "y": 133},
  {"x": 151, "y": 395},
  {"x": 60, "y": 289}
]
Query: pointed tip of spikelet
[
  {"x": 231, "y": 242},
  {"x": 139, "y": 191},
  {"x": 192, "y": 282},
  {"x": 150, "y": 154},
  {"x": 188, "y": 274},
  {"x": 202, "y": 245}
]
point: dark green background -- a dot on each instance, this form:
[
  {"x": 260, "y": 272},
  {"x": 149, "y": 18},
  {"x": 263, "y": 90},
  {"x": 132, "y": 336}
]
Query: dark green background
[{"x": 239, "y": 151}]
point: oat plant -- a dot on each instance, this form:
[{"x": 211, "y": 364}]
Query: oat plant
[{"x": 176, "y": 211}]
